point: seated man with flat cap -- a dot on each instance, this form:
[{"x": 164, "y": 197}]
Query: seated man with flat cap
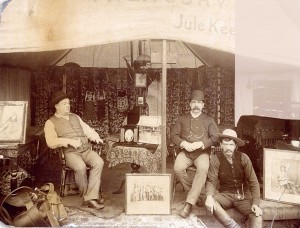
[
  {"x": 195, "y": 133},
  {"x": 67, "y": 130}
]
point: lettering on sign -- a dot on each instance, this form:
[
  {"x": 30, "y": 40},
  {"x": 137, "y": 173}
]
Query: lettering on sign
[{"x": 212, "y": 25}]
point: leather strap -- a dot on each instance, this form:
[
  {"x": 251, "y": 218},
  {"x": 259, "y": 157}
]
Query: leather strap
[{"x": 4, "y": 213}]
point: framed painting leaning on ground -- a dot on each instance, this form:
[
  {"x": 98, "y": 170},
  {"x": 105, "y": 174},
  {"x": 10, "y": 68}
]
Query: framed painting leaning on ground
[
  {"x": 282, "y": 176},
  {"x": 13, "y": 118},
  {"x": 148, "y": 194}
]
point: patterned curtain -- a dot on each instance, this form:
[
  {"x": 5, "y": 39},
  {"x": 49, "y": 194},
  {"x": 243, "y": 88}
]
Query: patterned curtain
[
  {"x": 93, "y": 93},
  {"x": 96, "y": 93},
  {"x": 44, "y": 82},
  {"x": 181, "y": 82},
  {"x": 227, "y": 97}
]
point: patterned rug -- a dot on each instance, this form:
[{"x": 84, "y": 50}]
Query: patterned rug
[
  {"x": 96, "y": 219},
  {"x": 113, "y": 215}
]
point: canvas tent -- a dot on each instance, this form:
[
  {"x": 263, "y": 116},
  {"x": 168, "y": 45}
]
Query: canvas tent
[
  {"x": 35, "y": 26},
  {"x": 113, "y": 55},
  {"x": 48, "y": 26},
  {"x": 36, "y": 32}
]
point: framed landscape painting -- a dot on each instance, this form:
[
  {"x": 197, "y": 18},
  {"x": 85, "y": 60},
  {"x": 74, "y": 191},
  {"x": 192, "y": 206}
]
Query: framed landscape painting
[
  {"x": 13, "y": 118},
  {"x": 282, "y": 176},
  {"x": 148, "y": 194}
]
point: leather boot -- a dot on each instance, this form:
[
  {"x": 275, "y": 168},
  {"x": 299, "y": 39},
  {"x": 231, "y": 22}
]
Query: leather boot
[
  {"x": 186, "y": 210},
  {"x": 93, "y": 204}
]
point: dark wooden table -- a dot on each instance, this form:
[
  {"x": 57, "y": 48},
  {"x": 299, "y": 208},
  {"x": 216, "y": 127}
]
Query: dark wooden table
[
  {"x": 21, "y": 155},
  {"x": 146, "y": 155}
]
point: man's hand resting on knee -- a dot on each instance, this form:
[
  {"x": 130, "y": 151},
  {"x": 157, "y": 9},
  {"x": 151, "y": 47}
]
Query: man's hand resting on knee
[{"x": 256, "y": 210}]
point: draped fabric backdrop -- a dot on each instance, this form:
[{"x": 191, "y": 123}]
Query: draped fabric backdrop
[
  {"x": 95, "y": 93},
  {"x": 100, "y": 110},
  {"x": 219, "y": 102}
]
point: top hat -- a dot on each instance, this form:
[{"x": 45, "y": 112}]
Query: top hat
[
  {"x": 197, "y": 95},
  {"x": 57, "y": 97},
  {"x": 231, "y": 134}
]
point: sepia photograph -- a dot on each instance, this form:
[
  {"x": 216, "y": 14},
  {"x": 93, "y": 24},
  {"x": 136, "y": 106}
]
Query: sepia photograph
[
  {"x": 148, "y": 194},
  {"x": 140, "y": 80},
  {"x": 13, "y": 120},
  {"x": 140, "y": 100},
  {"x": 282, "y": 175},
  {"x": 92, "y": 92}
]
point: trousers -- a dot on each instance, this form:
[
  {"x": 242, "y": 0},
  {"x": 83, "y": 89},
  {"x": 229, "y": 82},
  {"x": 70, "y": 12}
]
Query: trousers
[
  {"x": 89, "y": 187},
  {"x": 192, "y": 186},
  {"x": 226, "y": 200}
]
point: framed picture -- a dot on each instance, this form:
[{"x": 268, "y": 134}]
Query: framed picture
[
  {"x": 13, "y": 119},
  {"x": 148, "y": 194},
  {"x": 282, "y": 175},
  {"x": 140, "y": 80},
  {"x": 140, "y": 100}
]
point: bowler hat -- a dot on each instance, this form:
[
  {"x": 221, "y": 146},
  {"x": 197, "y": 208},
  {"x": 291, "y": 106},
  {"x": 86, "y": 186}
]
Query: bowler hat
[
  {"x": 197, "y": 95},
  {"x": 57, "y": 97},
  {"x": 231, "y": 134}
]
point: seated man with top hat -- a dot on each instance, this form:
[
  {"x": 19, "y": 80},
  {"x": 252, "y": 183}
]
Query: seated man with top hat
[
  {"x": 67, "y": 130},
  {"x": 194, "y": 133}
]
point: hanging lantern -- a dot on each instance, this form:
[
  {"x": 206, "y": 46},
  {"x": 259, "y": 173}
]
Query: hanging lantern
[{"x": 142, "y": 61}]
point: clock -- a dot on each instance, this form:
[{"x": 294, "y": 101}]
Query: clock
[{"x": 129, "y": 133}]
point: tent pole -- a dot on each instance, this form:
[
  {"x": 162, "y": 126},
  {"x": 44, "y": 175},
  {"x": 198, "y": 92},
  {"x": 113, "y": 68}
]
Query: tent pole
[
  {"x": 63, "y": 56},
  {"x": 163, "y": 108},
  {"x": 131, "y": 53}
]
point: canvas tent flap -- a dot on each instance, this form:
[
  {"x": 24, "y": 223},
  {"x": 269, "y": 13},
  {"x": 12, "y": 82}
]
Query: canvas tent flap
[{"x": 33, "y": 25}]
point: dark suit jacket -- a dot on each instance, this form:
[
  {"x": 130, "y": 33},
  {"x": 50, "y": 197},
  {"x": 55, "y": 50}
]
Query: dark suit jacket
[{"x": 203, "y": 128}]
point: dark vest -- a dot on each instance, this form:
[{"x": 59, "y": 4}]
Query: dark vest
[
  {"x": 231, "y": 176},
  {"x": 70, "y": 129}
]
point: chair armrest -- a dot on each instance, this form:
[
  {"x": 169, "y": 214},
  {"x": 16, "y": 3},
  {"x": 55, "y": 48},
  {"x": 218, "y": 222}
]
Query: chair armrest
[
  {"x": 60, "y": 153},
  {"x": 174, "y": 150}
]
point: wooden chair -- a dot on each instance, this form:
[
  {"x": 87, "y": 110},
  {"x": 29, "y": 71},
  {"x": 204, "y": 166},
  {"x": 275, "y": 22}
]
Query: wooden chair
[{"x": 67, "y": 178}]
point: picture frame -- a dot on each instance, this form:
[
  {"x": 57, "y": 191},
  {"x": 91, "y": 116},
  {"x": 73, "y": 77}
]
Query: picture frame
[
  {"x": 148, "y": 194},
  {"x": 281, "y": 179},
  {"x": 13, "y": 120},
  {"x": 141, "y": 80},
  {"x": 140, "y": 100}
]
